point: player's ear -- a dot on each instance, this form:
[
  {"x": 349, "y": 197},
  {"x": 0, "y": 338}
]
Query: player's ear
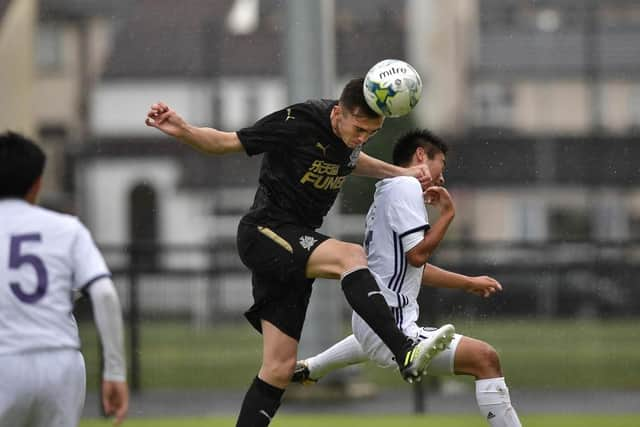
[
  {"x": 335, "y": 111},
  {"x": 420, "y": 154},
  {"x": 34, "y": 191}
]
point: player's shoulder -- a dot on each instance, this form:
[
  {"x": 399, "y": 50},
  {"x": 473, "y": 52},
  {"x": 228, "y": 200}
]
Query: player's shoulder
[
  {"x": 318, "y": 105},
  {"x": 52, "y": 219},
  {"x": 314, "y": 108},
  {"x": 402, "y": 183},
  {"x": 392, "y": 190},
  {"x": 300, "y": 115}
]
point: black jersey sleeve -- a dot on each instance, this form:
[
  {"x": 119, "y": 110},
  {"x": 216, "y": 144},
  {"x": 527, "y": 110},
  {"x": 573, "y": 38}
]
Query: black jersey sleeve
[{"x": 276, "y": 131}]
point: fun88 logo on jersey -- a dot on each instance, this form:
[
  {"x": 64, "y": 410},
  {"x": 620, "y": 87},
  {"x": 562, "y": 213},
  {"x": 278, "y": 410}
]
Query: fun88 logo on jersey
[{"x": 323, "y": 176}]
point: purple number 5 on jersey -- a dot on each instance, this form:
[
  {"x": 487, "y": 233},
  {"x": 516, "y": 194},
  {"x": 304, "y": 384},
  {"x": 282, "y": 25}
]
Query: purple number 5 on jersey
[{"x": 16, "y": 259}]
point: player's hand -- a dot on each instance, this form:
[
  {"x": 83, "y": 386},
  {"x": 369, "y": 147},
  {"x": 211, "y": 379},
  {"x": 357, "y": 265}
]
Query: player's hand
[
  {"x": 423, "y": 174},
  {"x": 115, "y": 400},
  {"x": 160, "y": 116},
  {"x": 483, "y": 286},
  {"x": 440, "y": 198}
]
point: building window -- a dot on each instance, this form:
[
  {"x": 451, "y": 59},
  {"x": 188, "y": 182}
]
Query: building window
[
  {"x": 143, "y": 225},
  {"x": 621, "y": 16},
  {"x": 498, "y": 16},
  {"x": 634, "y": 106},
  {"x": 239, "y": 102},
  {"x": 548, "y": 20},
  {"x": 532, "y": 16},
  {"x": 634, "y": 227},
  {"x": 492, "y": 105},
  {"x": 569, "y": 224},
  {"x": 49, "y": 49}
]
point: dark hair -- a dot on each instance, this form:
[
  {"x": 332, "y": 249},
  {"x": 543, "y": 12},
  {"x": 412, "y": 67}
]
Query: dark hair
[
  {"x": 21, "y": 164},
  {"x": 408, "y": 143},
  {"x": 352, "y": 99}
]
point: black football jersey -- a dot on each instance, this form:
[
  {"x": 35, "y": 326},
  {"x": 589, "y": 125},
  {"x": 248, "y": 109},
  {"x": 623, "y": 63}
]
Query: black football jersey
[{"x": 304, "y": 165}]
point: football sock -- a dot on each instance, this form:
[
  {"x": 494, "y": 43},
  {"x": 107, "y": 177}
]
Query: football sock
[
  {"x": 341, "y": 354},
  {"x": 364, "y": 296},
  {"x": 259, "y": 405},
  {"x": 493, "y": 400}
]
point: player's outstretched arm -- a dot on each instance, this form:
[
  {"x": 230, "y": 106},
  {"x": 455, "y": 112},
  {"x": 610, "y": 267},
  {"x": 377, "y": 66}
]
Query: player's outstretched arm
[
  {"x": 207, "y": 140},
  {"x": 375, "y": 168},
  {"x": 440, "y": 198},
  {"x": 437, "y": 277}
]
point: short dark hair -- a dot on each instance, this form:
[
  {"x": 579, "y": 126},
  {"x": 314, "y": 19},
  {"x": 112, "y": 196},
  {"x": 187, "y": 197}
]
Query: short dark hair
[
  {"x": 352, "y": 99},
  {"x": 408, "y": 143},
  {"x": 21, "y": 164}
]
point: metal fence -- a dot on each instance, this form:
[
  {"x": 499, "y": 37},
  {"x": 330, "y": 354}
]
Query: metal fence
[{"x": 206, "y": 284}]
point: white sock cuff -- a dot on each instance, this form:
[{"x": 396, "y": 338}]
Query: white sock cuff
[
  {"x": 353, "y": 270},
  {"x": 492, "y": 391}
]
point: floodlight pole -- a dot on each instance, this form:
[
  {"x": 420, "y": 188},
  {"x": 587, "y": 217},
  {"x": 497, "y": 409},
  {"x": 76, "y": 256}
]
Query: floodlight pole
[
  {"x": 310, "y": 73},
  {"x": 592, "y": 62},
  {"x": 310, "y": 49}
]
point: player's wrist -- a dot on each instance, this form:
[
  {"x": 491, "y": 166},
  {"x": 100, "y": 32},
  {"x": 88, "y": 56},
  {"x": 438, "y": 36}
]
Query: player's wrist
[
  {"x": 114, "y": 377},
  {"x": 186, "y": 132},
  {"x": 467, "y": 283},
  {"x": 448, "y": 213}
]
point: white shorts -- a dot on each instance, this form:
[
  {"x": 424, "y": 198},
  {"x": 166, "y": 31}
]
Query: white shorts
[
  {"x": 42, "y": 389},
  {"x": 378, "y": 351}
]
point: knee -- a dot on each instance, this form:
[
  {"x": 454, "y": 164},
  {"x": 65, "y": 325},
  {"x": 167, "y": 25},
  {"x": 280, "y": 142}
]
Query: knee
[
  {"x": 488, "y": 362},
  {"x": 278, "y": 372},
  {"x": 353, "y": 256}
]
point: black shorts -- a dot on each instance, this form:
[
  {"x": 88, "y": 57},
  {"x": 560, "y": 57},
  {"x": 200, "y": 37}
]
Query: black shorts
[{"x": 277, "y": 258}]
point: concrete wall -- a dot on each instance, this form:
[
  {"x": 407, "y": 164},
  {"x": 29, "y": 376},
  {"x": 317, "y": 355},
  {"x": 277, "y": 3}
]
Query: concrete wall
[{"x": 17, "y": 27}]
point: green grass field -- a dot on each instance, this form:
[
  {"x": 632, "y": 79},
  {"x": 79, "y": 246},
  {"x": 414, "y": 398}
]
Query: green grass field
[
  {"x": 388, "y": 421},
  {"x": 557, "y": 354}
]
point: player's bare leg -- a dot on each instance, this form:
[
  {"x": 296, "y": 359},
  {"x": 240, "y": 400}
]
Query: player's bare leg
[
  {"x": 279, "y": 352},
  {"x": 278, "y": 361},
  {"x": 477, "y": 358}
]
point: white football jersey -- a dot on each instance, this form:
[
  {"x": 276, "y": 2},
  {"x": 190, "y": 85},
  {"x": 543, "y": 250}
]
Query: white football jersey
[
  {"x": 396, "y": 222},
  {"x": 45, "y": 257}
]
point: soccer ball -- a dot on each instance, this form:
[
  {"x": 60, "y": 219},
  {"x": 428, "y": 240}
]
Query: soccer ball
[{"x": 392, "y": 88}]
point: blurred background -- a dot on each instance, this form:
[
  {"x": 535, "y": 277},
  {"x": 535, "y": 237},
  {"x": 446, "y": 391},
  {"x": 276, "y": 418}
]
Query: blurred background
[{"x": 539, "y": 100}]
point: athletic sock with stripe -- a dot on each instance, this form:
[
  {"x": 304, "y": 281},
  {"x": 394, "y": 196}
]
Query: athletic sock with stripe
[
  {"x": 364, "y": 296},
  {"x": 494, "y": 402},
  {"x": 259, "y": 405}
]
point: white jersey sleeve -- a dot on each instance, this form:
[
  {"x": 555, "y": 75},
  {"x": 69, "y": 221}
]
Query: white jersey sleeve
[
  {"x": 405, "y": 210},
  {"x": 88, "y": 263}
]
